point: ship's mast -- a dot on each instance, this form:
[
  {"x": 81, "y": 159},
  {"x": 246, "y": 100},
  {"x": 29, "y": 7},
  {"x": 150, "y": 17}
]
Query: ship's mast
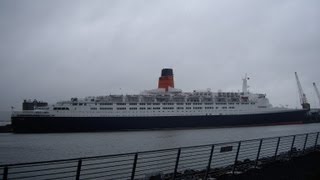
[
  {"x": 303, "y": 98},
  {"x": 317, "y": 91},
  {"x": 245, "y": 84}
]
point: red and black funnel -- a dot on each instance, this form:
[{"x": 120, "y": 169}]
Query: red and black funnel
[{"x": 166, "y": 79}]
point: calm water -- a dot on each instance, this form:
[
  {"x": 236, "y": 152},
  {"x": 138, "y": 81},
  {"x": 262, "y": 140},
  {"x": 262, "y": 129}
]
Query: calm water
[{"x": 37, "y": 147}]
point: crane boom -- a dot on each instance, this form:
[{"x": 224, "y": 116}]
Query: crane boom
[
  {"x": 303, "y": 98},
  {"x": 317, "y": 91}
]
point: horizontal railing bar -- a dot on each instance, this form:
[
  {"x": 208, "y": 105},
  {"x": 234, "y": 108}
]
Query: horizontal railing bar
[
  {"x": 252, "y": 141},
  {"x": 40, "y": 163},
  {"x": 193, "y": 164},
  {"x": 268, "y": 149},
  {"x": 147, "y": 162},
  {"x": 195, "y": 151},
  {"x": 159, "y": 158},
  {"x": 106, "y": 172},
  {"x": 107, "y": 157},
  {"x": 192, "y": 158},
  {"x": 221, "y": 160},
  {"x": 249, "y": 150},
  {"x": 152, "y": 153},
  {"x": 159, "y": 151},
  {"x": 38, "y": 170},
  {"x": 107, "y": 167},
  {"x": 158, "y": 167},
  {"x": 92, "y": 164},
  {"x": 64, "y": 177},
  {"x": 224, "y": 157},
  {"x": 165, "y": 155},
  {"x": 96, "y": 177},
  {"x": 270, "y": 144},
  {"x": 197, "y": 146},
  {"x": 147, "y": 165},
  {"x": 226, "y": 144},
  {"x": 118, "y": 173},
  {"x": 246, "y": 146},
  {"x": 18, "y": 166},
  {"x": 40, "y": 175},
  {"x": 285, "y": 145},
  {"x": 192, "y": 155},
  {"x": 243, "y": 147},
  {"x": 156, "y": 160}
]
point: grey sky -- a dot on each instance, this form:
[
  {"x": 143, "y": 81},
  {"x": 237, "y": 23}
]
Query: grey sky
[{"x": 55, "y": 50}]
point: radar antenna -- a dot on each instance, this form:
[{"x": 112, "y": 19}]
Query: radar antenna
[
  {"x": 303, "y": 98},
  {"x": 317, "y": 91}
]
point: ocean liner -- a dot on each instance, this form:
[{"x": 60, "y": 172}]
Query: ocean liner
[{"x": 163, "y": 108}]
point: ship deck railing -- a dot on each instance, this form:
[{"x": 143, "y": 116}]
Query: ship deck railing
[{"x": 197, "y": 162}]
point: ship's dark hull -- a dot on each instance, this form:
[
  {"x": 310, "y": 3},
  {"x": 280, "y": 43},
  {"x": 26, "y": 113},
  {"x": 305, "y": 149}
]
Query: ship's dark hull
[{"x": 43, "y": 124}]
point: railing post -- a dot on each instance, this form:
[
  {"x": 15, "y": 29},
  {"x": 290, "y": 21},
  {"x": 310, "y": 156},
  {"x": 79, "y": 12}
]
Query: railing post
[
  {"x": 79, "y": 169},
  {"x": 177, "y": 164},
  {"x": 236, "y": 159},
  {"x": 134, "y": 166},
  {"x": 5, "y": 173},
  {"x": 258, "y": 154},
  {"x": 277, "y": 148},
  {"x": 316, "y": 142},
  {"x": 292, "y": 144},
  {"x": 209, "y": 163},
  {"x": 305, "y": 143}
]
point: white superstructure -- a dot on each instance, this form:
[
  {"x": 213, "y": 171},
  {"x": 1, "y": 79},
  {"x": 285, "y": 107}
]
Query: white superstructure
[{"x": 162, "y": 102}]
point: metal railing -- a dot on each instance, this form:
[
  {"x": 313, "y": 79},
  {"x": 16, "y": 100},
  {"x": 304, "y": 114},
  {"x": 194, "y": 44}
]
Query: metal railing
[{"x": 195, "y": 162}]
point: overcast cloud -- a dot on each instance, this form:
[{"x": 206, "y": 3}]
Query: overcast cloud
[{"x": 55, "y": 50}]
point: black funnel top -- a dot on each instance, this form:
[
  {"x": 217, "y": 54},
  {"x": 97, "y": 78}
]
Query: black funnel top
[{"x": 167, "y": 72}]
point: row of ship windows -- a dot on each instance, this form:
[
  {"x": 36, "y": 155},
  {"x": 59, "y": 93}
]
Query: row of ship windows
[
  {"x": 149, "y": 108},
  {"x": 166, "y": 108},
  {"x": 157, "y": 104}
]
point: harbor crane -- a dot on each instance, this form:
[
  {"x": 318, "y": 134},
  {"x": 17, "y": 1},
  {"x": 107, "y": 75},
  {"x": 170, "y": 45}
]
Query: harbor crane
[
  {"x": 302, "y": 95},
  {"x": 317, "y": 91}
]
